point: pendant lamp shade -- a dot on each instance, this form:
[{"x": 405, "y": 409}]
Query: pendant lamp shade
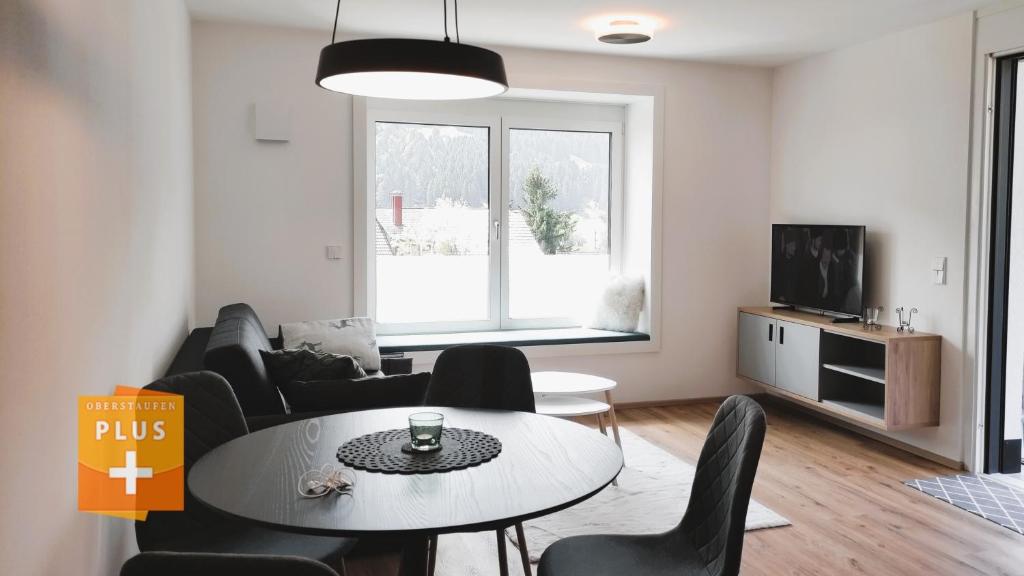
[{"x": 411, "y": 69}]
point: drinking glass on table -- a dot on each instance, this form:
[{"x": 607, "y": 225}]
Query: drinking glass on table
[{"x": 425, "y": 431}]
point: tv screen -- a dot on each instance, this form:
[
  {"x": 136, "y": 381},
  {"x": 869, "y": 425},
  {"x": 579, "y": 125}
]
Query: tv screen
[{"x": 821, "y": 267}]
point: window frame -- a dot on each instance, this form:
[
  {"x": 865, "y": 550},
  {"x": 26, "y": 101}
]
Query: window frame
[
  {"x": 494, "y": 144},
  {"x": 615, "y": 212},
  {"x": 495, "y": 116}
]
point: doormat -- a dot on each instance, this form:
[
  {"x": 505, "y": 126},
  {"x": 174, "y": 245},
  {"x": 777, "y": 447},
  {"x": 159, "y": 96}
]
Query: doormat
[{"x": 992, "y": 500}]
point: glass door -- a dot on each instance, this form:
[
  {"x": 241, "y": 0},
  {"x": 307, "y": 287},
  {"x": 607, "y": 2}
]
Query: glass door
[{"x": 1005, "y": 391}]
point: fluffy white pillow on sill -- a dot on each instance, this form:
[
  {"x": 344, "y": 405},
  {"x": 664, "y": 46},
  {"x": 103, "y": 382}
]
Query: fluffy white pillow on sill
[
  {"x": 618, "y": 307},
  {"x": 355, "y": 337}
]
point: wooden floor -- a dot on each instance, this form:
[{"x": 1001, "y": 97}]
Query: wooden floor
[{"x": 844, "y": 495}]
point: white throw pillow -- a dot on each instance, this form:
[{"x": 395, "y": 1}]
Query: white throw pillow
[
  {"x": 618, "y": 307},
  {"x": 355, "y": 337}
]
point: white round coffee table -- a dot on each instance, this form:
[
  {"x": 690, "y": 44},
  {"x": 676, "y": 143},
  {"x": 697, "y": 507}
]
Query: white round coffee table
[{"x": 557, "y": 394}]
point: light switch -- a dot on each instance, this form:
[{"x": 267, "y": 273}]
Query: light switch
[
  {"x": 334, "y": 252},
  {"x": 939, "y": 270}
]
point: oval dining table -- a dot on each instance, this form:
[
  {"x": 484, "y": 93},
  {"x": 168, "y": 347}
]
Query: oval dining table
[{"x": 546, "y": 464}]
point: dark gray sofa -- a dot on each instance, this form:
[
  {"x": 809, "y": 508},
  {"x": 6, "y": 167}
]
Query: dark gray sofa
[{"x": 232, "y": 347}]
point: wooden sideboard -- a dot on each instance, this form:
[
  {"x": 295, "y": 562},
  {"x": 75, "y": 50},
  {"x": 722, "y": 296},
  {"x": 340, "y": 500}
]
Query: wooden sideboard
[{"x": 878, "y": 377}]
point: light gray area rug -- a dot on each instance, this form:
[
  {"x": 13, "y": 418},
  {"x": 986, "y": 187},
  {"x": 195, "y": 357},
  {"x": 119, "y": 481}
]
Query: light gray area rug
[{"x": 651, "y": 497}]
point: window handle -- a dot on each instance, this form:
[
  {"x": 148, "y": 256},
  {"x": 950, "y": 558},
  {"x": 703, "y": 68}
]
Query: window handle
[{"x": 497, "y": 229}]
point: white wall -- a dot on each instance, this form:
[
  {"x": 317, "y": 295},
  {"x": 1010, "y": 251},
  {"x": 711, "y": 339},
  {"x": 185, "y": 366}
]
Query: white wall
[
  {"x": 96, "y": 249},
  {"x": 265, "y": 211},
  {"x": 878, "y": 134}
]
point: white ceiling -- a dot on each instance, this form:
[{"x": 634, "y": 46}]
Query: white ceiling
[{"x": 760, "y": 32}]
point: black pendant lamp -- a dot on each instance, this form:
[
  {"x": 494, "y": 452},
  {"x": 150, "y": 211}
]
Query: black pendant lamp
[{"x": 411, "y": 69}]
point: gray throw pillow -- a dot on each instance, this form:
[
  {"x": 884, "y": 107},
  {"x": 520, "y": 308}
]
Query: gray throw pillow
[{"x": 286, "y": 366}]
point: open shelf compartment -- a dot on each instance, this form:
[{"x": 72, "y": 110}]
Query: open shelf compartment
[
  {"x": 866, "y": 372},
  {"x": 865, "y": 408},
  {"x": 852, "y": 377}
]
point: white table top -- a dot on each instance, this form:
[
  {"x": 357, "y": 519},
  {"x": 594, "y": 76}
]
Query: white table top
[
  {"x": 569, "y": 383},
  {"x": 569, "y": 406}
]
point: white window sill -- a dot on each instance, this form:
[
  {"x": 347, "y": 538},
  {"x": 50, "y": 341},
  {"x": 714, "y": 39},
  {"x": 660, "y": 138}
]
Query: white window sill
[{"x": 518, "y": 338}]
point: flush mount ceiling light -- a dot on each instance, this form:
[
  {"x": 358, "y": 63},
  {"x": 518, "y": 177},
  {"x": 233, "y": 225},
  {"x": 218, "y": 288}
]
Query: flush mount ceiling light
[
  {"x": 624, "y": 31},
  {"x": 411, "y": 69}
]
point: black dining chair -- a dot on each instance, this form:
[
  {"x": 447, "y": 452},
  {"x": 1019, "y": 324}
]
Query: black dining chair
[
  {"x": 709, "y": 539},
  {"x": 213, "y": 417},
  {"x": 483, "y": 376},
  {"x": 205, "y": 564}
]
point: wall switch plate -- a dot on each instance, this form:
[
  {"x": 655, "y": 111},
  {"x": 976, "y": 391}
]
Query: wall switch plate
[
  {"x": 270, "y": 121},
  {"x": 334, "y": 252},
  {"x": 939, "y": 270}
]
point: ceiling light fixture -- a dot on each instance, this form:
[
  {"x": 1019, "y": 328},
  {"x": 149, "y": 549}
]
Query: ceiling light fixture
[
  {"x": 624, "y": 31},
  {"x": 411, "y": 69}
]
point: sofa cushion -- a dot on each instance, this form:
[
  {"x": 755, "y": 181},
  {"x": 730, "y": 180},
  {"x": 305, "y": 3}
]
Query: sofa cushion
[
  {"x": 354, "y": 337},
  {"x": 287, "y": 365},
  {"x": 357, "y": 394},
  {"x": 233, "y": 351}
]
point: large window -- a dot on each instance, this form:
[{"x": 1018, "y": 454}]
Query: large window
[
  {"x": 432, "y": 223},
  {"x": 559, "y": 188},
  {"x": 490, "y": 221}
]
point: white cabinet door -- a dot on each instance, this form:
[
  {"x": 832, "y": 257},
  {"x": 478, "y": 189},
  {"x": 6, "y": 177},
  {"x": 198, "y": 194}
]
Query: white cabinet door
[
  {"x": 757, "y": 348},
  {"x": 796, "y": 359}
]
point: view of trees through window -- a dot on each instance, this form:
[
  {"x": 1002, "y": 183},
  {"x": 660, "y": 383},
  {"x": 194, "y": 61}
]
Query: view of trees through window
[
  {"x": 433, "y": 223},
  {"x": 559, "y": 186}
]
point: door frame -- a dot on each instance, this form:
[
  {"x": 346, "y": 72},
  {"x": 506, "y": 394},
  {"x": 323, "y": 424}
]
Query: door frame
[{"x": 1000, "y": 455}]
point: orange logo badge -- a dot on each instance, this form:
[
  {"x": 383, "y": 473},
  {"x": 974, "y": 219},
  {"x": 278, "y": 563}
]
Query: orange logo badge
[{"x": 131, "y": 452}]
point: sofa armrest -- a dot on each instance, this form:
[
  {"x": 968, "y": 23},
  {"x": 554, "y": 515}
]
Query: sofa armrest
[
  {"x": 190, "y": 356},
  {"x": 395, "y": 364}
]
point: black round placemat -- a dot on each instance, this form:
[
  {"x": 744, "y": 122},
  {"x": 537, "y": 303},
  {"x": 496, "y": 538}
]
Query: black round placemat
[{"x": 382, "y": 452}]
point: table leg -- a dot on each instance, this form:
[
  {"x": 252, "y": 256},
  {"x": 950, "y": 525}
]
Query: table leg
[
  {"x": 611, "y": 414},
  {"x": 431, "y": 555},
  {"x": 524, "y": 554},
  {"x": 414, "y": 557},
  {"x": 502, "y": 554}
]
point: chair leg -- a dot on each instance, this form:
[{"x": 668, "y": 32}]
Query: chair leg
[
  {"x": 502, "y": 554},
  {"x": 524, "y": 554},
  {"x": 431, "y": 554}
]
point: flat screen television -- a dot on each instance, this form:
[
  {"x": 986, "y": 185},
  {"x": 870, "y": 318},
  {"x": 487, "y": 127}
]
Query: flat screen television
[{"x": 820, "y": 267}]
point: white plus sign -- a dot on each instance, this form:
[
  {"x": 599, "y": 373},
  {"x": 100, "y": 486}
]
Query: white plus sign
[{"x": 130, "y": 472}]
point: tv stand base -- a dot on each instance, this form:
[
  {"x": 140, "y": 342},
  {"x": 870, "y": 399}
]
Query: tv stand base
[{"x": 849, "y": 320}]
